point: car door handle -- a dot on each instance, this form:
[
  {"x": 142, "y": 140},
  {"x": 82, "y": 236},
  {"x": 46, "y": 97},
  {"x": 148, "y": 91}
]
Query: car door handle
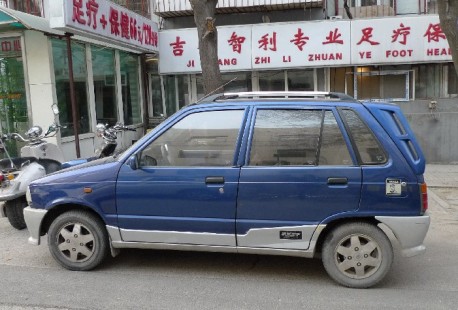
[
  {"x": 337, "y": 181},
  {"x": 214, "y": 180}
]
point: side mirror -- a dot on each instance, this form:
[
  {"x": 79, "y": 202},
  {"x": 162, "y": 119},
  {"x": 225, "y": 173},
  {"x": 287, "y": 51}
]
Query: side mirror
[{"x": 132, "y": 162}]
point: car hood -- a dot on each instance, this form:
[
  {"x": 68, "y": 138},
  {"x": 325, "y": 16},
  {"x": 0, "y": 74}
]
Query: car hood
[{"x": 104, "y": 169}]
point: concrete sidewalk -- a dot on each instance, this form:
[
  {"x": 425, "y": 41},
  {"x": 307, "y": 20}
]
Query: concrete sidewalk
[{"x": 442, "y": 176}]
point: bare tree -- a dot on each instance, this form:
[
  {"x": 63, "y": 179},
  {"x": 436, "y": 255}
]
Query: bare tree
[
  {"x": 204, "y": 17},
  {"x": 448, "y": 15}
]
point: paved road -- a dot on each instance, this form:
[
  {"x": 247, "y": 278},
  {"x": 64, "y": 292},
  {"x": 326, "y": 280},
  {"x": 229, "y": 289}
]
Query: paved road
[{"x": 140, "y": 279}]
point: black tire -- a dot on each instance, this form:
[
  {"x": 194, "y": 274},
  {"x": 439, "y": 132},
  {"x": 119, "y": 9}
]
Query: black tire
[
  {"x": 357, "y": 255},
  {"x": 78, "y": 240},
  {"x": 14, "y": 210}
]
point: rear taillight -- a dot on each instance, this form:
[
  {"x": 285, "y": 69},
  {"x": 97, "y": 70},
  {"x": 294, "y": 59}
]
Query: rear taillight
[{"x": 424, "y": 197}]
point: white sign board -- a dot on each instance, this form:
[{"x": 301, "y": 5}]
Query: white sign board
[
  {"x": 399, "y": 40},
  {"x": 181, "y": 47},
  {"x": 104, "y": 20},
  {"x": 310, "y": 44},
  {"x": 300, "y": 44}
]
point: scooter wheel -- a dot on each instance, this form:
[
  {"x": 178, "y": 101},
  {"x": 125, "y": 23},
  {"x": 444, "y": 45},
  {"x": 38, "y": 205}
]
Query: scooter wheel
[{"x": 14, "y": 210}]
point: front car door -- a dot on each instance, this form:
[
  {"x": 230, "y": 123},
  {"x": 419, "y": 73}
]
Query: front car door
[
  {"x": 299, "y": 170},
  {"x": 185, "y": 188}
]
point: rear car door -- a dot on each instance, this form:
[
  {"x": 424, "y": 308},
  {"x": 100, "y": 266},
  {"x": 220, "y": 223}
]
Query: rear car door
[
  {"x": 299, "y": 170},
  {"x": 184, "y": 190}
]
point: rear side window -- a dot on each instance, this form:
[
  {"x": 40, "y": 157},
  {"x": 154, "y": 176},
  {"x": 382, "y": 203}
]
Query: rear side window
[
  {"x": 368, "y": 148},
  {"x": 297, "y": 138}
]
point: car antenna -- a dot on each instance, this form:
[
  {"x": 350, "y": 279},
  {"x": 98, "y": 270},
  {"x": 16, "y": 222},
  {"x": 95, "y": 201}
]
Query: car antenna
[{"x": 213, "y": 91}]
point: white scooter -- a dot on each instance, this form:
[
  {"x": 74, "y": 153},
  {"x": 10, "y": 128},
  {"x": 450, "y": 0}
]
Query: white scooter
[{"x": 38, "y": 158}]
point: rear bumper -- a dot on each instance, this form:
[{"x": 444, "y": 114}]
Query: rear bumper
[
  {"x": 410, "y": 232},
  {"x": 33, "y": 219}
]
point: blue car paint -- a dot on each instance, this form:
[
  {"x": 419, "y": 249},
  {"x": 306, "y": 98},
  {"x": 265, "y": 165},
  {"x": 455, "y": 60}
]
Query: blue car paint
[{"x": 181, "y": 201}]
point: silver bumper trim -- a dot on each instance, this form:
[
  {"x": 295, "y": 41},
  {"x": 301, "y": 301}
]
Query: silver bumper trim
[
  {"x": 410, "y": 232},
  {"x": 33, "y": 218}
]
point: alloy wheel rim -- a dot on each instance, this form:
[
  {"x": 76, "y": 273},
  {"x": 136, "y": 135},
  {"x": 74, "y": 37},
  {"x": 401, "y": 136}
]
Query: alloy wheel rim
[
  {"x": 358, "y": 256},
  {"x": 76, "y": 242}
]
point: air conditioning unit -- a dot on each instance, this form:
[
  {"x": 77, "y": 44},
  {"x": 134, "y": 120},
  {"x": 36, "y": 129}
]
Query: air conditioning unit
[{"x": 336, "y": 17}]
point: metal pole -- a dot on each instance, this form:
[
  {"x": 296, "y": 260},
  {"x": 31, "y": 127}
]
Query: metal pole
[{"x": 72, "y": 95}]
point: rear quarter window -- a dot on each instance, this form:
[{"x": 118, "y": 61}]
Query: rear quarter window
[{"x": 369, "y": 150}]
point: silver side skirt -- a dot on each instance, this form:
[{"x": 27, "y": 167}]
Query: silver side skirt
[{"x": 117, "y": 242}]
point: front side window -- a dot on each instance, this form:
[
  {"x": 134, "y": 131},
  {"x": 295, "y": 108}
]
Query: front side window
[
  {"x": 200, "y": 139},
  {"x": 297, "y": 138},
  {"x": 61, "y": 73}
]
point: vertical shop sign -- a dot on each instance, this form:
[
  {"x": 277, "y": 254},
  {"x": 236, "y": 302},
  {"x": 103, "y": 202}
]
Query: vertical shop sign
[{"x": 104, "y": 19}]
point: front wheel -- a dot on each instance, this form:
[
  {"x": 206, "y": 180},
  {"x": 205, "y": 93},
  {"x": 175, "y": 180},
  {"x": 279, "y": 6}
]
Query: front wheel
[
  {"x": 357, "y": 255},
  {"x": 78, "y": 240},
  {"x": 14, "y": 210}
]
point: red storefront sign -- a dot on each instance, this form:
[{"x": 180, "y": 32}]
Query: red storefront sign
[{"x": 104, "y": 19}]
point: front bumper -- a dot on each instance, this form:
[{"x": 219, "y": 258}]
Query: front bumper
[
  {"x": 33, "y": 219},
  {"x": 410, "y": 232}
]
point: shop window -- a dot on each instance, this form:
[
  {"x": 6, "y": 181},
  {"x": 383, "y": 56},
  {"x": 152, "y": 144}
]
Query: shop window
[
  {"x": 435, "y": 81},
  {"x": 61, "y": 73},
  {"x": 375, "y": 84},
  {"x": 240, "y": 82},
  {"x": 452, "y": 89},
  {"x": 272, "y": 81},
  {"x": 104, "y": 72},
  {"x": 155, "y": 87},
  {"x": 176, "y": 92},
  {"x": 141, "y": 7},
  {"x": 300, "y": 80},
  {"x": 13, "y": 101},
  {"x": 341, "y": 80},
  {"x": 355, "y": 3},
  {"x": 130, "y": 88},
  {"x": 33, "y": 7}
]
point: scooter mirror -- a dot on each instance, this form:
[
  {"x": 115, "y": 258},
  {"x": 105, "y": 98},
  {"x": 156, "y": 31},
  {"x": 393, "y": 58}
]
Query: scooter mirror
[{"x": 55, "y": 109}]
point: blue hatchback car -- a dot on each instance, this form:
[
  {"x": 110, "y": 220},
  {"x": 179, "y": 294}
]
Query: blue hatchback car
[{"x": 309, "y": 174}]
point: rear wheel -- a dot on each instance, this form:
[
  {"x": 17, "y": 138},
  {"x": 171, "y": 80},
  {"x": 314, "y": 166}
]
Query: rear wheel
[
  {"x": 357, "y": 255},
  {"x": 78, "y": 240},
  {"x": 14, "y": 210}
]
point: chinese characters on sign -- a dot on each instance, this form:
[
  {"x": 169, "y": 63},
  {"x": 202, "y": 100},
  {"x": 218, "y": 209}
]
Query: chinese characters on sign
[
  {"x": 401, "y": 40},
  {"x": 102, "y": 18},
  {"x": 311, "y": 44}
]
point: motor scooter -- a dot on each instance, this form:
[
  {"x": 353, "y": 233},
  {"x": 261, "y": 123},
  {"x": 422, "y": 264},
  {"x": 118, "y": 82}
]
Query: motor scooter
[
  {"x": 108, "y": 147},
  {"x": 37, "y": 158}
]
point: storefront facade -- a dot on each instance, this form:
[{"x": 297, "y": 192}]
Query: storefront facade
[
  {"x": 402, "y": 59},
  {"x": 107, "y": 71}
]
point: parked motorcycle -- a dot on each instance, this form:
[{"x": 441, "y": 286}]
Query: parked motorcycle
[
  {"x": 37, "y": 158},
  {"x": 109, "y": 145}
]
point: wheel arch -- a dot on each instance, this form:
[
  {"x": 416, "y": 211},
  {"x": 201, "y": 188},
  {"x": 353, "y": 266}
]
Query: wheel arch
[
  {"x": 57, "y": 210},
  {"x": 331, "y": 226}
]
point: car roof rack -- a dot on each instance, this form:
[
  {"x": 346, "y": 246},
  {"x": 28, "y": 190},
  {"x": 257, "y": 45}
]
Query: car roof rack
[{"x": 277, "y": 95}]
